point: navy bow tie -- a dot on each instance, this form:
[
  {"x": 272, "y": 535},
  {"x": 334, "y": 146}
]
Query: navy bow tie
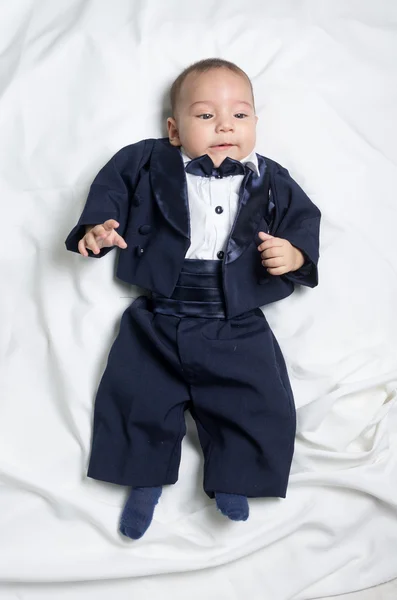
[{"x": 204, "y": 167}]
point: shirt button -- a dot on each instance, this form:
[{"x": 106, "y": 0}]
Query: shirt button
[
  {"x": 139, "y": 250},
  {"x": 219, "y": 210},
  {"x": 220, "y": 254}
]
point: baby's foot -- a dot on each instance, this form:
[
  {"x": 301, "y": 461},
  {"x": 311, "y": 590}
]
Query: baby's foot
[
  {"x": 233, "y": 506},
  {"x": 138, "y": 511}
]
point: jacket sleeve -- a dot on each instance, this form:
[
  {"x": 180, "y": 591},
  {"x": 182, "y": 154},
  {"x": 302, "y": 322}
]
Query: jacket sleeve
[
  {"x": 109, "y": 195},
  {"x": 297, "y": 219}
]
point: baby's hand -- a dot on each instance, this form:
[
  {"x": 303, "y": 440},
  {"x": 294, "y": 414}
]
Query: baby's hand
[
  {"x": 101, "y": 236},
  {"x": 279, "y": 256}
]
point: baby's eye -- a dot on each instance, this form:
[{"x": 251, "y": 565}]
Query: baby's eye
[
  {"x": 205, "y": 116},
  {"x": 240, "y": 115}
]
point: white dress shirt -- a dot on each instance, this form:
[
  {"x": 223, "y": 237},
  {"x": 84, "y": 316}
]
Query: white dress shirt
[{"x": 213, "y": 206}]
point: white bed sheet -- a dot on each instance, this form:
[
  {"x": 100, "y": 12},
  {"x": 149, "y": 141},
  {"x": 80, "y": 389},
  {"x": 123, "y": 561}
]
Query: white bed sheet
[{"x": 79, "y": 79}]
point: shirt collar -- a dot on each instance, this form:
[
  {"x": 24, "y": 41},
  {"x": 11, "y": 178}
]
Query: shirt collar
[{"x": 251, "y": 160}]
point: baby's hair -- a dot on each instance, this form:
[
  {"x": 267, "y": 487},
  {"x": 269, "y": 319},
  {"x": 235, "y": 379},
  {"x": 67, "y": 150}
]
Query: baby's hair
[{"x": 201, "y": 67}]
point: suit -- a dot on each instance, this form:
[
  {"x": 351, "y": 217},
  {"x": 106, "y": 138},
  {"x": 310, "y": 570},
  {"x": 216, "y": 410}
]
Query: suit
[{"x": 228, "y": 371}]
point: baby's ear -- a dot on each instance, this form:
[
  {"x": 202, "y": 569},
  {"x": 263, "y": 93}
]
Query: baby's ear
[{"x": 173, "y": 134}]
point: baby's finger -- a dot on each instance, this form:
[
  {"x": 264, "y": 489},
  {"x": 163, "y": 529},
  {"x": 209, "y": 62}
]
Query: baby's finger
[
  {"x": 81, "y": 248},
  {"x": 277, "y": 270},
  {"x": 90, "y": 242},
  {"x": 274, "y": 262},
  {"x": 110, "y": 224},
  {"x": 98, "y": 229},
  {"x": 120, "y": 242},
  {"x": 273, "y": 243},
  {"x": 264, "y": 236},
  {"x": 272, "y": 252}
]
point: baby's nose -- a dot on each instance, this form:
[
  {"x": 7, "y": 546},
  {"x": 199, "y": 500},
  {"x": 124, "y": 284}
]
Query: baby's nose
[{"x": 225, "y": 125}]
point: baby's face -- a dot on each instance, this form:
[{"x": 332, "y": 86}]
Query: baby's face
[{"x": 215, "y": 116}]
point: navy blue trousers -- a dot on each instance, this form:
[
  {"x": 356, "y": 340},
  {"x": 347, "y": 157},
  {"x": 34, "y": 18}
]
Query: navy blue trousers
[{"x": 229, "y": 373}]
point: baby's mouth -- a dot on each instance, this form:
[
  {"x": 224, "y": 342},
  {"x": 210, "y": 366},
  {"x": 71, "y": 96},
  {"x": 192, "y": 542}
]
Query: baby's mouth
[{"x": 222, "y": 146}]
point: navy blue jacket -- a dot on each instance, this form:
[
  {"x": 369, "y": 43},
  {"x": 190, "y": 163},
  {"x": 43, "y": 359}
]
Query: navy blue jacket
[{"x": 144, "y": 188}]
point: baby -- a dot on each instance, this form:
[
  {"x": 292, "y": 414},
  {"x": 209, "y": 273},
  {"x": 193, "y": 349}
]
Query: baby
[{"x": 213, "y": 231}]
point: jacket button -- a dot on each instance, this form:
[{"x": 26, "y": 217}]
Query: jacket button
[
  {"x": 145, "y": 229},
  {"x": 139, "y": 250},
  {"x": 219, "y": 210},
  {"x": 220, "y": 254},
  {"x": 136, "y": 200}
]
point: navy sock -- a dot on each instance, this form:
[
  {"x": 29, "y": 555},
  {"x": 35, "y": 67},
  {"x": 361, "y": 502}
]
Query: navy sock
[
  {"x": 138, "y": 511},
  {"x": 233, "y": 506}
]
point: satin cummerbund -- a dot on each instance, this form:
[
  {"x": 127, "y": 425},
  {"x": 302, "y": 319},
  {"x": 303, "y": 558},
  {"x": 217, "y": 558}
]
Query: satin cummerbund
[{"x": 198, "y": 292}]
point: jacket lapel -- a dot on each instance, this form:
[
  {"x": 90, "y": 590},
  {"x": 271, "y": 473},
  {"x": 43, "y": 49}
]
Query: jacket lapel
[
  {"x": 252, "y": 206},
  {"x": 168, "y": 181}
]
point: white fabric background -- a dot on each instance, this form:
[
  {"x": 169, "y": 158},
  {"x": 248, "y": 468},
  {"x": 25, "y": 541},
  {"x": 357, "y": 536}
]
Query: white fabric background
[{"x": 79, "y": 79}]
